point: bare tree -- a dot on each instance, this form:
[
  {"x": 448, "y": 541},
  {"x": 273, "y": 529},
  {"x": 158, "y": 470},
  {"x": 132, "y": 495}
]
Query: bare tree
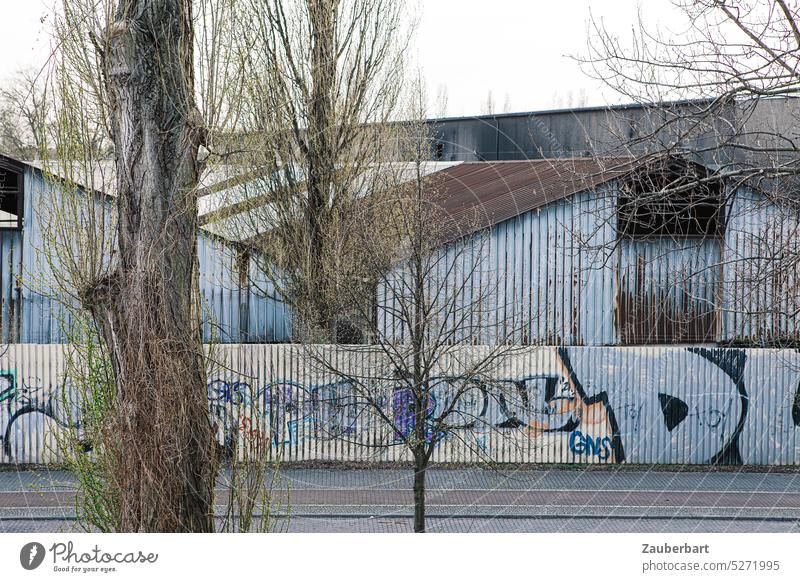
[
  {"x": 145, "y": 308},
  {"x": 426, "y": 320},
  {"x": 735, "y": 55},
  {"x": 507, "y": 104},
  {"x": 324, "y": 79},
  {"x": 441, "y": 102},
  {"x": 723, "y": 94},
  {"x": 568, "y": 99},
  {"x": 488, "y": 105},
  {"x": 24, "y": 115}
]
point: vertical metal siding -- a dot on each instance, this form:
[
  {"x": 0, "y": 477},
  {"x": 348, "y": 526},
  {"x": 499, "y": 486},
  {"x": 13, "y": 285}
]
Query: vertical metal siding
[
  {"x": 268, "y": 318},
  {"x": 668, "y": 290},
  {"x": 558, "y": 268},
  {"x": 544, "y": 277},
  {"x": 760, "y": 275},
  {"x": 42, "y": 313},
  {"x": 562, "y": 270},
  {"x": 32, "y": 313},
  {"x": 539, "y": 405},
  {"x": 10, "y": 269}
]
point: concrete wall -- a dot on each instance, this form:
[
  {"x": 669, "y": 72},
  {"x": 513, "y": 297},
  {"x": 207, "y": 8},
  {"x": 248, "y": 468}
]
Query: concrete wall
[{"x": 544, "y": 404}]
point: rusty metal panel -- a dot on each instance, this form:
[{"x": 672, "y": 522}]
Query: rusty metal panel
[
  {"x": 667, "y": 290},
  {"x": 480, "y": 195},
  {"x": 686, "y": 405}
]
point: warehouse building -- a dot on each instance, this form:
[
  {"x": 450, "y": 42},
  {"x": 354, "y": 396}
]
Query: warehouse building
[
  {"x": 589, "y": 251},
  {"x": 581, "y": 248},
  {"x": 239, "y": 301}
]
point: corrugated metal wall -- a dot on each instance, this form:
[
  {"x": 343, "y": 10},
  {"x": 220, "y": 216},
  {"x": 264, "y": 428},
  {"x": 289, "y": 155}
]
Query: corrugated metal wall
[
  {"x": 539, "y": 404},
  {"x": 761, "y": 272},
  {"x": 556, "y": 272},
  {"x": 560, "y": 275},
  {"x": 238, "y": 308},
  {"x": 596, "y": 130},
  {"x": 668, "y": 290},
  {"x": 555, "y": 275},
  {"x": 240, "y": 302},
  {"x": 544, "y": 277},
  {"x": 10, "y": 292},
  {"x": 44, "y": 314}
]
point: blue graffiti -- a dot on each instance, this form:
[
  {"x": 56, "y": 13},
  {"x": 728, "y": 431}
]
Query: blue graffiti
[
  {"x": 405, "y": 417},
  {"x": 229, "y": 393},
  {"x": 581, "y": 444}
]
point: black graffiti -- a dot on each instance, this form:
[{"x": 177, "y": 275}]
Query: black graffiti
[
  {"x": 555, "y": 403},
  {"x": 732, "y": 362},
  {"x": 674, "y": 410},
  {"x": 24, "y": 399},
  {"x": 600, "y": 397}
]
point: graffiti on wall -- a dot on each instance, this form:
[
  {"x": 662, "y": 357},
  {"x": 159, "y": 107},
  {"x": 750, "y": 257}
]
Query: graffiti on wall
[
  {"x": 612, "y": 405},
  {"x": 34, "y": 415},
  {"x": 574, "y": 405}
]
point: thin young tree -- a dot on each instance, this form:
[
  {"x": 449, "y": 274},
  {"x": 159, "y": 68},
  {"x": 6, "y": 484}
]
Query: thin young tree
[{"x": 437, "y": 336}]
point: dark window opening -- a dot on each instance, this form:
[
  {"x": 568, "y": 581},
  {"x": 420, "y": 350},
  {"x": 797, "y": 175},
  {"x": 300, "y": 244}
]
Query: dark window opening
[
  {"x": 243, "y": 268},
  {"x": 675, "y": 200},
  {"x": 243, "y": 273},
  {"x": 10, "y": 198},
  {"x": 438, "y": 151},
  {"x": 347, "y": 332}
]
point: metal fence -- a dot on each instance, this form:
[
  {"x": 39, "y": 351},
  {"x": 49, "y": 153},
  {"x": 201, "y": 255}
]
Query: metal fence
[{"x": 539, "y": 404}]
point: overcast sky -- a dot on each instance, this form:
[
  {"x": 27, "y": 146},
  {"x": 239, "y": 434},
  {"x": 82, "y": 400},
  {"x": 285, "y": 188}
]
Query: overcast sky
[{"x": 518, "y": 49}]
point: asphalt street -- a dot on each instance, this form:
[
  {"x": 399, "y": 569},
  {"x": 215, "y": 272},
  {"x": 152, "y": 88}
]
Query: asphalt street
[{"x": 475, "y": 500}]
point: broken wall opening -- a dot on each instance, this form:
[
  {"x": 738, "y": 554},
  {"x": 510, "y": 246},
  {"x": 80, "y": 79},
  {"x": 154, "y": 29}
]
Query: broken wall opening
[{"x": 670, "y": 218}]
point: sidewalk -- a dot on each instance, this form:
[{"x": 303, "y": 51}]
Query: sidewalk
[{"x": 478, "y": 500}]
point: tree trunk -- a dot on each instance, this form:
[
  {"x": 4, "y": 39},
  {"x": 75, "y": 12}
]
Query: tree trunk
[
  {"x": 421, "y": 387},
  {"x": 420, "y": 467},
  {"x": 164, "y": 460},
  {"x": 321, "y": 154}
]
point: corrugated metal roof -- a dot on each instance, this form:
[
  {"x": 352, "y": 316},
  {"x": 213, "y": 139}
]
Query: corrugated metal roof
[
  {"x": 244, "y": 210},
  {"x": 477, "y": 195}
]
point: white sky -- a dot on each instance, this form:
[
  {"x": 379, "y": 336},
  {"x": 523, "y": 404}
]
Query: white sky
[{"x": 515, "y": 48}]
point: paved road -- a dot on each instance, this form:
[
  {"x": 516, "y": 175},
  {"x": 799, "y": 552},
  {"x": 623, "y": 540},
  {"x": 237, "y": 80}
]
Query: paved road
[{"x": 477, "y": 500}]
